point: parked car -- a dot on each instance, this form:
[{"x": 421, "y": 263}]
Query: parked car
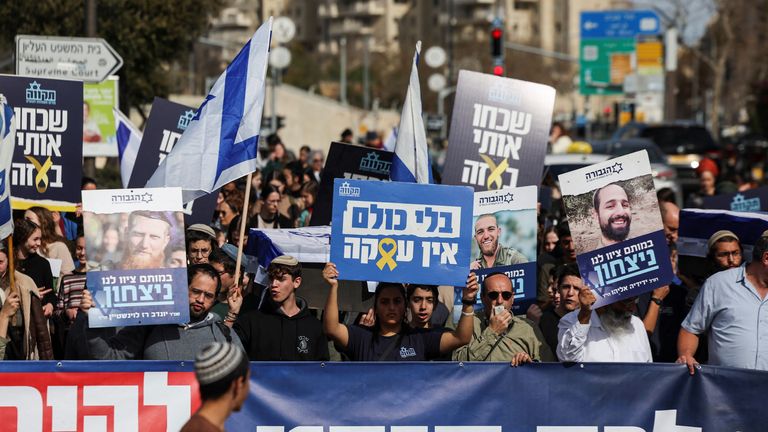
[{"x": 684, "y": 143}]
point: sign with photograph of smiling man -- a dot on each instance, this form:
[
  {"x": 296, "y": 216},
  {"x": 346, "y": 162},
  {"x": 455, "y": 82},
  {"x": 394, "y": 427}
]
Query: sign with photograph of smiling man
[
  {"x": 504, "y": 231},
  {"x": 616, "y": 227},
  {"x": 136, "y": 256}
]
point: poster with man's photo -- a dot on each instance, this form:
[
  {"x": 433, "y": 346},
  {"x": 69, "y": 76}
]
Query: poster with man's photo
[
  {"x": 616, "y": 227},
  {"x": 504, "y": 241},
  {"x": 134, "y": 241}
]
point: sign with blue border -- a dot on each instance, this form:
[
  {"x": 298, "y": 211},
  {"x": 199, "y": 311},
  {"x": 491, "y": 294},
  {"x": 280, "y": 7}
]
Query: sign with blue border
[
  {"x": 401, "y": 232},
  {"x": 619, "y": 24},
  {"x": 616, "y": 227}
]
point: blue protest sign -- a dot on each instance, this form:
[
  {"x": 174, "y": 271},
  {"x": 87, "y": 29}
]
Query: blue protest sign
[
  {"x": 48, "y": 158},
  {"x": 616, "y": 227},
  {"x": 136, "y": 257},
  {"x": 620, "y": 24},
  {"x": 751, "y": 200},
  {"x": 401, "y": 232}
]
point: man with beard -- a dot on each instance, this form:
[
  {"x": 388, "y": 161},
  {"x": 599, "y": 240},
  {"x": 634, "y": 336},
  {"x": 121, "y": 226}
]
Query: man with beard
[
  {"x": 608, "y": 334},
  {"x": 613, "y": 213},
  {"x": 492, "y": 254},
  {"x": 148, "y": 235},
  {"x": 168, "y": 341}
]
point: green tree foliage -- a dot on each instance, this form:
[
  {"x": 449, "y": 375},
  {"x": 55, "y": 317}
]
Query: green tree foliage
[{"x": 148, "y": 34}]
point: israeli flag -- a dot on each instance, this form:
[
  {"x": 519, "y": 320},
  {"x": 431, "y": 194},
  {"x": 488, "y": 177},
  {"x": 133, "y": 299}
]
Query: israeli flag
[
  {"x": 128, "y": 142},
  {"x": 411, "y": 158},
  {"x": 221, "y": 142},
  {"x": 7, "y": 134}
]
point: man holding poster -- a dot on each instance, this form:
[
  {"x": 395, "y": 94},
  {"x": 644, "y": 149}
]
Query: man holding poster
[{"x": 617, "y": 230}]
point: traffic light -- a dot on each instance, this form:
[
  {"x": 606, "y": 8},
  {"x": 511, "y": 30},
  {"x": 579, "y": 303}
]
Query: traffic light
[
  {"x": 497, "y": 47},
  {"x": 497, "y": 42}
]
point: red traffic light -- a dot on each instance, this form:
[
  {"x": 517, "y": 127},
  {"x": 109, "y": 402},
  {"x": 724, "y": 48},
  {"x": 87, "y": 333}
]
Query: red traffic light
[
  {"x": 496, "y": 33},
  {"x": 498, "y": 70}
]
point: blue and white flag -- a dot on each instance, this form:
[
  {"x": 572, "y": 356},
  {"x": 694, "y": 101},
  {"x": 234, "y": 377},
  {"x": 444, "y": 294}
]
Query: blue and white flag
[
  {"x": 411, "y": 161},
  {"x": 128, "y": 143},
  {"x": 221, "y": 142},
  {"x": 7, "y": 134}
]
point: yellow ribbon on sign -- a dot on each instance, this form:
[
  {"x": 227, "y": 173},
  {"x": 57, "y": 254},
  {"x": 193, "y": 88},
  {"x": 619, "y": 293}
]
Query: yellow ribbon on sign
[
  {"x": 496, "y": 172},
  {"x": 42, "y": 173},
  {"x": 386, "y": 256}
]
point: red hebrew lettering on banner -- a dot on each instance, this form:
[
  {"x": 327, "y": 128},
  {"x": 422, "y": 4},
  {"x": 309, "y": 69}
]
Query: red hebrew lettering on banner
[{"x": 115, "y": 401}]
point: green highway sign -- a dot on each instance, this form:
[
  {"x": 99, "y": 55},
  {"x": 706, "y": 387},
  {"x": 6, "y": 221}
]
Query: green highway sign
[{"x": 603, "y": 65}]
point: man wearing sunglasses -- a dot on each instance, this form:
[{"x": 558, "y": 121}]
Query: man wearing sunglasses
[
  {"x": 499, "y": 336},
  {"x": 610, "y": 333}
]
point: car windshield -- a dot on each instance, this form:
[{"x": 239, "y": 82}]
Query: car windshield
[{"x": 680, "y": 139}]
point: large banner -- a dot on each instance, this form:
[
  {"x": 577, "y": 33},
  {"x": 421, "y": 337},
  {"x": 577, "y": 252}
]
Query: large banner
[
  {"x": 451, "y": 397},
  {"x": 349, "y": 162},
  {"x": 99, "y": 101},
  {"x": 616, "y": 226},
  {"x": 499, "y": 132},
  {"x": 167, "y": 121},
  {"x": 401, "y": 232},
  {"x": 504, "y": 230},
  {"x": 48, "y": 161},
  {"x": 136, "y": 257},
  {"x": 751, "y": 200}
]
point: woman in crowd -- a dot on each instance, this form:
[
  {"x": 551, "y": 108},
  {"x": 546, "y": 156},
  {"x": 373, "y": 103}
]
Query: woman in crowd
[
  {"x": 27, "y": 241},
  {"x": 229, "y": 209},
  {"x": 52, "y": 244},
  {"x": 390, "y": 338},
  {"x": 309, "y": 194},
  {"x": 23, "y": 328}
]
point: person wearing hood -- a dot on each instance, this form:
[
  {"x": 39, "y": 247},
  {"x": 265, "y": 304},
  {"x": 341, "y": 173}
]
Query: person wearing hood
[
  {"x": 168, "y": 341},
  {"x": 282, "y": 328}
]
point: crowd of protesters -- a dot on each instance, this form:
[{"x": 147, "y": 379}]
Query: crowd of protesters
[{"x": 710, "y": 315}]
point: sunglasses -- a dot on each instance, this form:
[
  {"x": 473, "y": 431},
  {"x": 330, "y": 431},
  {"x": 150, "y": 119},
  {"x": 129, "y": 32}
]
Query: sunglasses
[{"x": 493, "y": 295}]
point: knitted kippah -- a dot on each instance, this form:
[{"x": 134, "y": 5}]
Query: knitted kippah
[
  {"x": 216, "y": 361},
  {"x": 205, "y": 229},
  {"x": 285, "y": 260}
]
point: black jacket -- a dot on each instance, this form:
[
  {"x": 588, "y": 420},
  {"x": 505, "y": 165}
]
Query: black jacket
[{"x": 269, "y": 335}]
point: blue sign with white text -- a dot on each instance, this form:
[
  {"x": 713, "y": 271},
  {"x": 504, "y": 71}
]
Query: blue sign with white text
[
  {"x": 620, "y": 24},
  {"x": 401, "y": 232}
]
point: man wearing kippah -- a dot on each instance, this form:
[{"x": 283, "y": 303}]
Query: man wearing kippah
[
  {"x": 729, "y": 310},
  {"x": 223, "y": 373},
  {"x": 201, "y": 241},
  {"x": 282, "y": 328}
]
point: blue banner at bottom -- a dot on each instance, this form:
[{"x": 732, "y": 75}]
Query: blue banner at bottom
[{"x": 390, "y": 397}]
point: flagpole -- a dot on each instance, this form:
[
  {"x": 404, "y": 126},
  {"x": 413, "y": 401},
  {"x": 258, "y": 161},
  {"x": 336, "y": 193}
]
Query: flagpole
[
  {"x": 243, "y": 220},
  {"x": 11, "y": 267}
]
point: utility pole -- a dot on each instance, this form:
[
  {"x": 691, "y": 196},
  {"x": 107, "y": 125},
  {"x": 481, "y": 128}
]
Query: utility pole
[
  {"x": 343, "y": 70},
  {"x": 366, "y": 72},
  {"x": 89, "y": 163}
]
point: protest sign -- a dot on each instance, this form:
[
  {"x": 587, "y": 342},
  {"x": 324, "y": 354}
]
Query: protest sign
[
  {"x": 136, "y": 257},
  {"x": 616, "y": 227},
  {"x": 167, "y": 121},
  {"x": 401, "y": 232},
  {"x": 99, "y": 101},
  {"x": 698, "y": 225},
  {"x": 349, "y": 162},
  {"x": 751, "y": 200},
  {"x": 499, "y": 132},
  {"x": 504, "y": 229},
  {"x": 47, "y": 162}
]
